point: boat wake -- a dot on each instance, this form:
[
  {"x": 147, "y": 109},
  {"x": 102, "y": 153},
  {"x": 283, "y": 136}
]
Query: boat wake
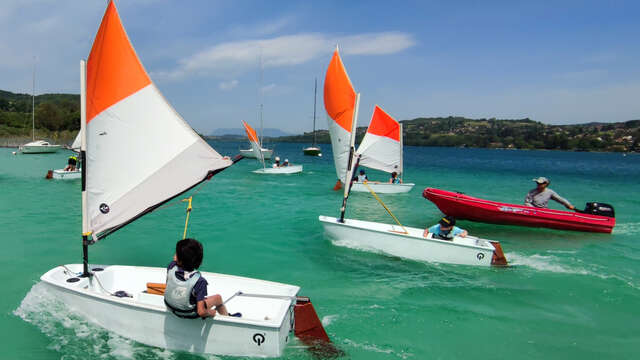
[
  {"x": 543, "y": 263},
  {"x": 74, "y": 337},
  {"x": 374, "y": 348}
]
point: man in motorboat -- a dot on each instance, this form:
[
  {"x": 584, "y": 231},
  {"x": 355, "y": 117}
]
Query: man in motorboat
[
  {"x": 71, "y": 163},
  {"x": 539, "y": 197},
  {"x": 445, "y": 229},
  {"x": 276, "y": 163},
  {"x": 186, "y": 291},
  {"x": 395, "y": 179}
]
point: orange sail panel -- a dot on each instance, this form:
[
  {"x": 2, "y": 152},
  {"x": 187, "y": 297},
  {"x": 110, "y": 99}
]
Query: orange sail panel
[
  {"x": 384, "y": 125},
  {"x": 339, "y": 95},
  {"x": 113, "y": 70},
  {"x": 253, "y": 137}
]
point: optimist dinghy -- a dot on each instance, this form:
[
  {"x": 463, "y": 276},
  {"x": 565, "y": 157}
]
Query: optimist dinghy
[
  {"x": 341, "y": 103},
  {"x": 122, "y": 111},
  {"x": 255, "y": 145},
  {"x": 61, "y": 174}
]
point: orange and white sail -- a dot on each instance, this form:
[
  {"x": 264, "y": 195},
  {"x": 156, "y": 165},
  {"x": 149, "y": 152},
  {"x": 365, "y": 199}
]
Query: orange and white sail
[
  {"x": 381, "y": 147},
  {"x": 341, "y": 104},
  {"x": 254, "y": 140},
  {"x": 140, "y": 152}
]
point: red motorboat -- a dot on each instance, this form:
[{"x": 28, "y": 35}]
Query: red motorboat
[{"x": 597, "y": 217}]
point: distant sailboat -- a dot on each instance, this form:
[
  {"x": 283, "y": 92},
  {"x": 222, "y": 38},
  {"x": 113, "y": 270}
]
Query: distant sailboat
[
  {"x": 313, "y": 150},
  {"x": 39, "y": 146},
  {"x": 381, "y": 149},
  {"x": 62, "y": 174},
  {"x": 123, "y": 112},
  {"x": 255, "y": 147},
  {"x": 265, "y": 153}
]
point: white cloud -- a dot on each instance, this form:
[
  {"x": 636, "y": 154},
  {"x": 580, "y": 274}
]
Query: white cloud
[
  {"x": 268, "y": 88},
  {"x": 228, "y": 85},
  {"x": 285, "y": 50}
]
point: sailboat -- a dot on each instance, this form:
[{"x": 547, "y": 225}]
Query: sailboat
[
  {"x": 123, "y": 112},
  {"x": 36, "y": 146},
  {"x": 265, "y": 154},
  {"x": 341, "y": 103},
  {"x": 255, "y": 147},
  {"x": 313, "y": 150},
  {"x": 381, "y": 149},
  {"x": 62, "y": 174}
]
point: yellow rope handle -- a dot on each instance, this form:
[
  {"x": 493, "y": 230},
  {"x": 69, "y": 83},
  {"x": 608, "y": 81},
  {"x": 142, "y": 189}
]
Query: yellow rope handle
[
  {"x": 186, "y": 222},
  {"x": 384, "y": 206}
]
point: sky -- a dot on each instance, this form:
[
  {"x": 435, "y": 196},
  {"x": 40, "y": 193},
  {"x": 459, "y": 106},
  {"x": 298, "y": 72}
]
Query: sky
[{"x": 558, "y": 62}]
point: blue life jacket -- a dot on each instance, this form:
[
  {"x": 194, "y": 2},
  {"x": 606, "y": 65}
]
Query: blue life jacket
[{"x": 178, "y": 293}]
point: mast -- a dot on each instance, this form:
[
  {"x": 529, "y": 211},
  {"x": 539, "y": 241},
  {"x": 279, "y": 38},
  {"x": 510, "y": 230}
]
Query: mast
[
  {"x": 261, "y": 100},
  {"x": 315, "y": 96},
  {"x": 401, "y": 152},
  {"x": 83, "y": 157},
  {"x": 350, "y": 165},
  {"x": 33, "y": 104}
]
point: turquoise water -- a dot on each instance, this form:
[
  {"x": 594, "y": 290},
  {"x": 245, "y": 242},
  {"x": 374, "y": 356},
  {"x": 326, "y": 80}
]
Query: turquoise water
[{"x": 570, "y": 295}]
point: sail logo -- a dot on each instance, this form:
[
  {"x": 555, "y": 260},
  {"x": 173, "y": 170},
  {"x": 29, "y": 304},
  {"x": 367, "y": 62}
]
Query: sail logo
[
  {"x": 258, "y": 339},
  {"x": 480, "y": 256},
  {"x": 104, "y": 208}
]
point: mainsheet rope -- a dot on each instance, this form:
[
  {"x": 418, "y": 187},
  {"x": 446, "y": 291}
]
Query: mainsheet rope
[{"x": 384, "y": 206}]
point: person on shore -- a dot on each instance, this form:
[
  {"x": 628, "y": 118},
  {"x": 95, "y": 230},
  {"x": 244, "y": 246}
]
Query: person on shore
[
  {"x": 539, "y": 197},
  {"x": 186, "y": 291},
  {"x": 445, "y": 229},
  {"x": 72, "y": 163},
  {"x": 276, "y": 164},
  {"x": 395, "y": 179}
]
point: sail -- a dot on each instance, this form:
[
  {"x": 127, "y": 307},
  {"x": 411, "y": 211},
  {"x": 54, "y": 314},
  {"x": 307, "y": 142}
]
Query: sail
[
  {"x": 254, "y": 141},
  {"x": 381, "y": 147},
  {"x": 77, "y": 142},
  {"x": 340, "y": 104},
  {"x": 140, "y": 152}
]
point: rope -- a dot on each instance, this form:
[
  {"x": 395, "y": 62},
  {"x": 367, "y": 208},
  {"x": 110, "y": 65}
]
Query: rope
[
  {"x": 186, "y": 222},
  {"x": 384, "y": 206}
]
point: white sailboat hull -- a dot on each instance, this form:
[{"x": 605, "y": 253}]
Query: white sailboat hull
[
  {"x": 40, "y": 148},
  {"x": 60, "y": 174},
  {"x": 266, "y": 153},
  {"x": 293, "y": 169},
  {"x": 263, "y": 330},
  {"x": 382, "y": 188},
  {"x": 390, "y": 240}
]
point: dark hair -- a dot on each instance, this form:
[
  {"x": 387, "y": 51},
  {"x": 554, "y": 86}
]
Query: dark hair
[
  {"x": 447, "y": 221},
  {"x": 361, "y": 171},
  {"x": 189, "y": 253},
  {"x": 394, "y": 174}
]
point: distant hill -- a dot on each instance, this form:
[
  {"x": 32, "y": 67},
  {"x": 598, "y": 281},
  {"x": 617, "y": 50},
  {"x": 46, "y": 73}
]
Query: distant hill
[
  {"x": 268, "y": 132},
  {"x": 512, "y": 134}
]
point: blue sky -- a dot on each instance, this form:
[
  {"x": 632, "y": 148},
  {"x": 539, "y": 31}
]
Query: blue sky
[{"x": 558, "y": 62}]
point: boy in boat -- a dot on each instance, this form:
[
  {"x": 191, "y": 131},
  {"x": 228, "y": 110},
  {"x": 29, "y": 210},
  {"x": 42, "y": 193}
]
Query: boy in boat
[
  {"x": 395, "y": 179},
  {"x": 445, "y": 229},
  {"x": 362, "y": 177},
  {"x": 286, "y": 163},
  {"x": 186, "y": 292},
  {"x": 539, "y": 197},
  {"x": 276, "y": 164},
  {"x": 71, "y": 163}
]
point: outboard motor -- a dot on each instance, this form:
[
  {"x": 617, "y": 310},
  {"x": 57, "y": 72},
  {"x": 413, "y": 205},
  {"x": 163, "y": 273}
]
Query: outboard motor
[{"x": 601, "y": 209}]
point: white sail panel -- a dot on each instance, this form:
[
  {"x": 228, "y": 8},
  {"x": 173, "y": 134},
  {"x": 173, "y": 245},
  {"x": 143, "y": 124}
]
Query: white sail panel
[
  {"x": 340, "y": 146},
  {"x": 77, "y": 142},
  {"x": 381, "y": 147},
  {"x": 141, "y": 153}
]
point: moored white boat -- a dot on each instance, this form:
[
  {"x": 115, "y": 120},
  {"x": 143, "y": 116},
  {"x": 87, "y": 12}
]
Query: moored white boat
[
  {"x": 61, "y": 174},
  {"x": 263, "y": 330},
  {"x": 382, "y": 188},
  {"x": 292, "y": 169},
  {"x": 391, "y": 240},
  {"x": 38, "y": 147},
  {"x": 248, "y": 153}
]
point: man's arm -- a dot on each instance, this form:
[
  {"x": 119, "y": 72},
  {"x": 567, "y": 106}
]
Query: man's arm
[
  {"x": 562, "y": 201},
  {"x": 528, "y": 200}
]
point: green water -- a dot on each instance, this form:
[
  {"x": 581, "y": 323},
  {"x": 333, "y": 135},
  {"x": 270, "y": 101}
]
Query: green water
[{"x": 570, "y": 295}]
